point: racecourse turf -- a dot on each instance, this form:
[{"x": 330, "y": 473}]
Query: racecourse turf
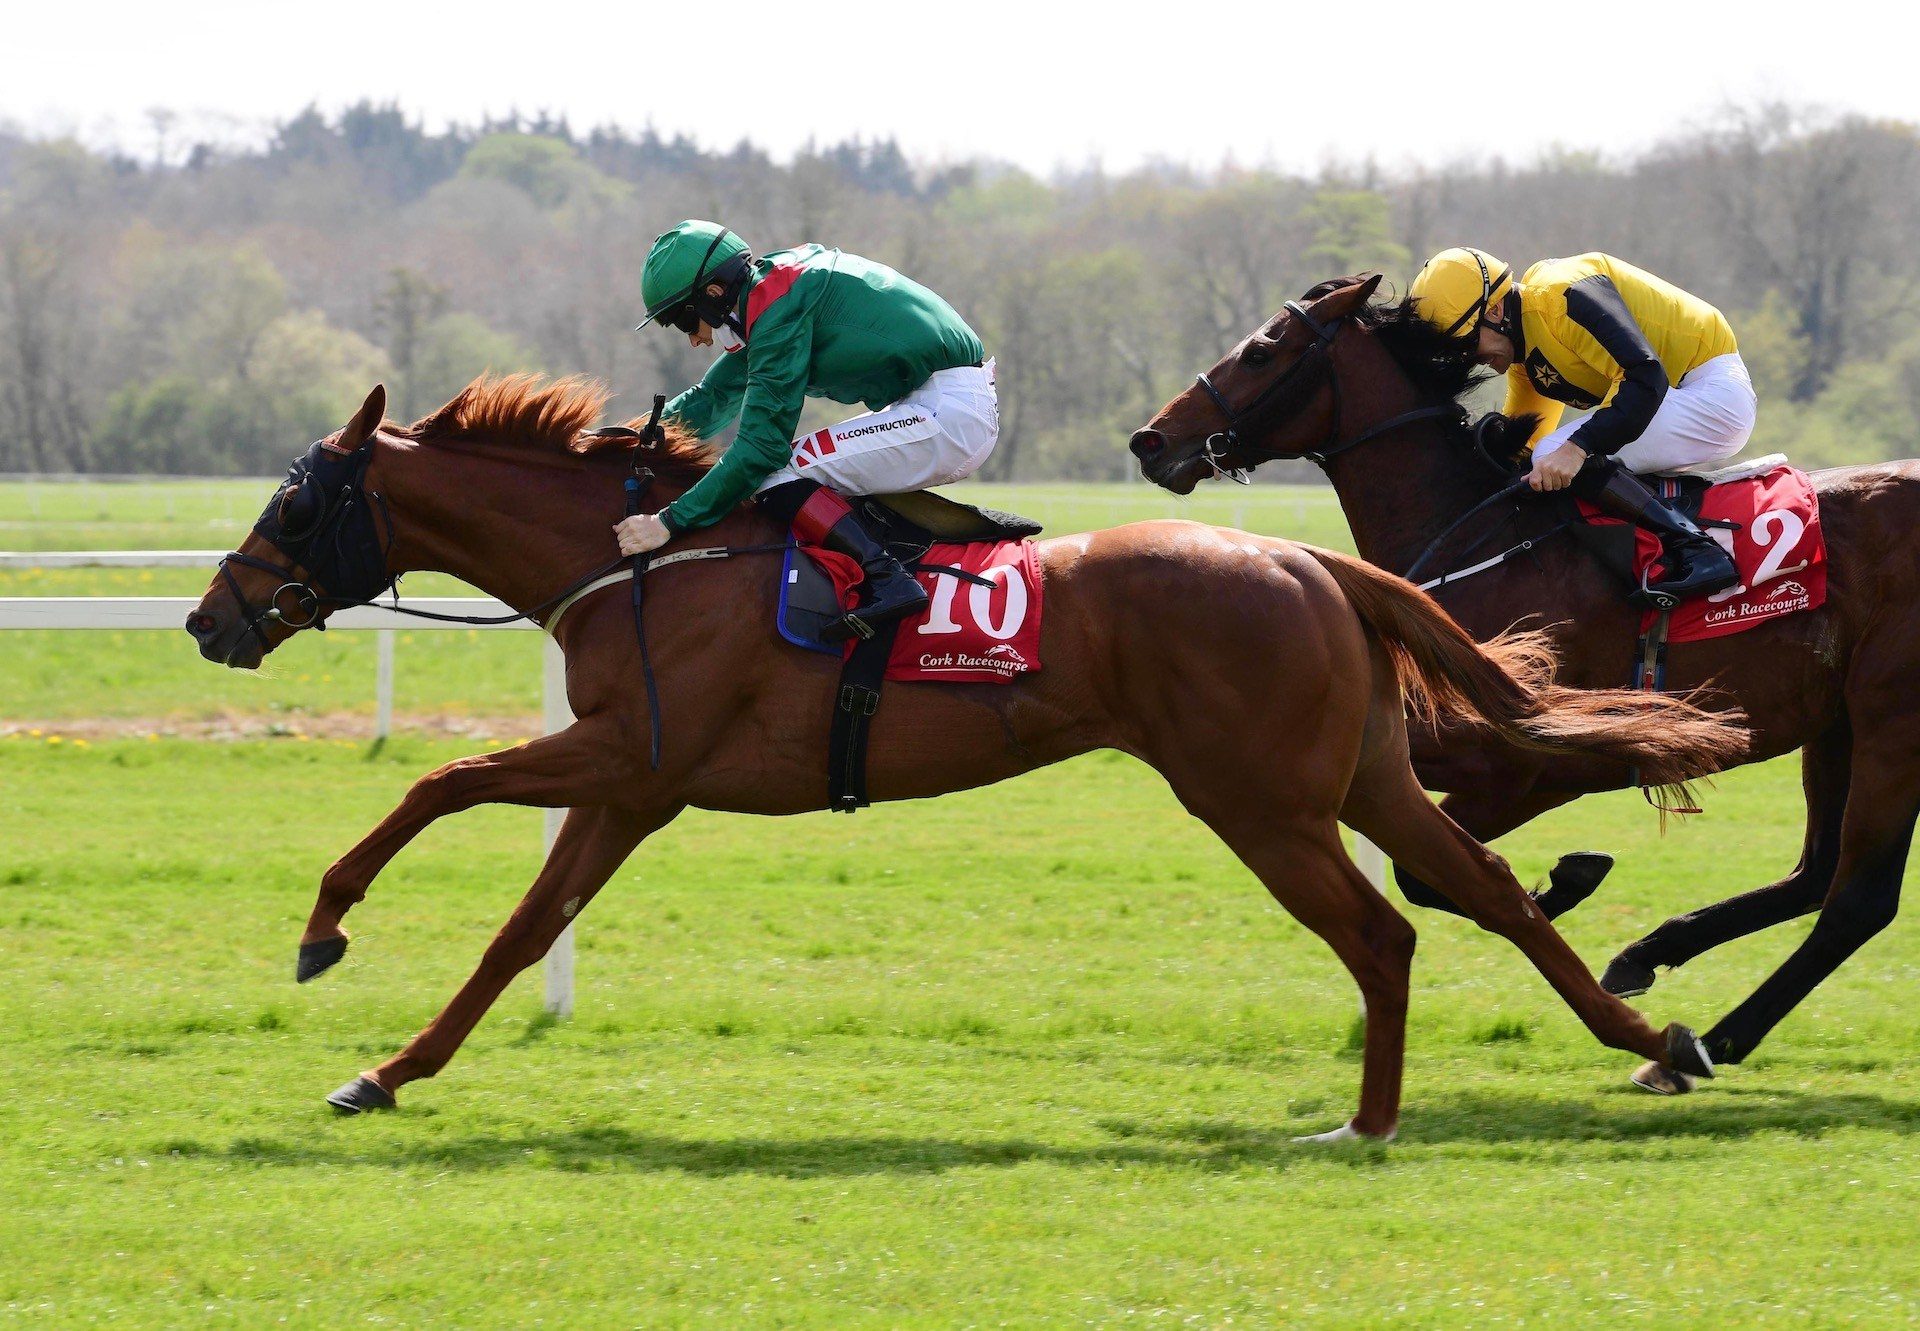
[{"x": 1031, "y": 1055}]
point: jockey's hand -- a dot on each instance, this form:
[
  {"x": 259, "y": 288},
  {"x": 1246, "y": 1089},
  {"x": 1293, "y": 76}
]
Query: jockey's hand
[
  {"x": 641, "y": 533},
  {"x": 1557, "y": 469}
]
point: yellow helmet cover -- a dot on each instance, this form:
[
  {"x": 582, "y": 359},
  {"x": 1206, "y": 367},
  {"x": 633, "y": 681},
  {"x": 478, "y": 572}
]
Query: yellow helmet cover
[{"x": 1457, "y": 286}]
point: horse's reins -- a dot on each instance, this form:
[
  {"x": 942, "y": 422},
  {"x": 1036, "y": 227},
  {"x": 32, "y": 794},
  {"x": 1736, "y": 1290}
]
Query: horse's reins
[
  {"x": 333, "y": 515},
  {"x": 1505, "y": 492},
  {"x": 638, "y": 482},
  {"x": 1315, "y": 360}
]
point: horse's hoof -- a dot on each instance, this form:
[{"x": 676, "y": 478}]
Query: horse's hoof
[
  {"x": 361, "y": 1095},
  {"x": 1573, "y": 880},
  {"x": 318, "y": 958},
  {"x": 1686, "y": 1053},
  {"x": 1653, "y": 1077},
  {"x": 1627, "y": 979},
  {"x": 1346, "y": 1132}
]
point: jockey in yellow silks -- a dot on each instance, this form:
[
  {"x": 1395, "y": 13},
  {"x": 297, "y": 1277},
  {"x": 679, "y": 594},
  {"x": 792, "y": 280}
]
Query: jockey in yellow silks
[{"x": 1658, "y": 366}]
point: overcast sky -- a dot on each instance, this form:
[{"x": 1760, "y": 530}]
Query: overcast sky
[{"x": 1288, "y": 82}]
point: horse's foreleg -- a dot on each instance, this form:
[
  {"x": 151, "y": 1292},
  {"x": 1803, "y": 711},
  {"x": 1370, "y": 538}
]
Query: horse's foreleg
[
  {"x": 1825, "y": 774},
  {"x": 592, "y": 844},
  {"x": 578, "y": 765}
]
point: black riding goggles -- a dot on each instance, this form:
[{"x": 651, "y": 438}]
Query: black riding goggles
[{"x": 682, "y": 318}]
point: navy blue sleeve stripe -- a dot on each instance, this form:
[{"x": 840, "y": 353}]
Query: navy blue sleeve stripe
[{"x": 1596, "y": 305}]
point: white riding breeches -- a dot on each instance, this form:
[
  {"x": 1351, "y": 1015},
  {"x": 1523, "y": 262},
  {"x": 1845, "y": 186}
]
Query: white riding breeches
[
  {"x": 1703, "y": 420},
  {"x": 938, "y": 434}
]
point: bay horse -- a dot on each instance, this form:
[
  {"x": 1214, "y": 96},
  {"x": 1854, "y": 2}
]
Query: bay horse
[
  {"x": 1367, "y": 389},
  {"x": 1262, "y": 679}
]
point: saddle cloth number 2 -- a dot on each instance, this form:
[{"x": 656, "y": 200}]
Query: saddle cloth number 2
[{"x": 1776, "y": 532}]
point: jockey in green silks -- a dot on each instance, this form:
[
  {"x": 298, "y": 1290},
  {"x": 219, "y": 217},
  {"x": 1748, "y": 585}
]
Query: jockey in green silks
[{"x": 814, "y": 322}]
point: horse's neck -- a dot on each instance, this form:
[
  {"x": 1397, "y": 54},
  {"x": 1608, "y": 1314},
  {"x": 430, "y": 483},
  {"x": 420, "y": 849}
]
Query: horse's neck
[
  {"x": 521, "y": 527},
  {"x": 518, "y": 528},
  {"x": 1401, "y": 491}
]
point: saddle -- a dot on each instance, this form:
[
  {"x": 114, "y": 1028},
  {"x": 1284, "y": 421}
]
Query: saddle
[
  {"x": 932, "y": 536},
  {"x": 1615, "y": 544},
  {"x": 1769, "y": 516},
  {"x": 909, "y": 526}
]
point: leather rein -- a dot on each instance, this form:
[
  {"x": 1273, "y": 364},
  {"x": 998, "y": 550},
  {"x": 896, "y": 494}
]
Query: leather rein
[
  {"x": 1221, "y": 447},
  {"x": 345, "y": 531}
]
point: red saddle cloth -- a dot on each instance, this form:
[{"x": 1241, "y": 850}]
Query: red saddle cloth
[
  {"x": 968, "y": 634},
  {"x": 1778, "y": 548}
]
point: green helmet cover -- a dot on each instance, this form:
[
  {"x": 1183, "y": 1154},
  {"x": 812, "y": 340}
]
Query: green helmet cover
[{"x": 682, "y": 257}]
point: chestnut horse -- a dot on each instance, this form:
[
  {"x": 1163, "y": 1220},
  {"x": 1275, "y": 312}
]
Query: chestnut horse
[
  {"x": 1263, "y": 679},
  {"x": 1362, "y": 383}
]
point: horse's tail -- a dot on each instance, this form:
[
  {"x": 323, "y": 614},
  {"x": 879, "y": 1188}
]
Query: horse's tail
[{"x": 1507, "y": 685}]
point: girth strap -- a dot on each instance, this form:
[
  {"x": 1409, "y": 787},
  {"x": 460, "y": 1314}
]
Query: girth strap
[{"x": 859, "y": 698}]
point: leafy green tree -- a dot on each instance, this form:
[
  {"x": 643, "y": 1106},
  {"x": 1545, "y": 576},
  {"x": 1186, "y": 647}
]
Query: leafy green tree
[
  {"x": 546, "y": 170},
  {"x": 1353, "y": 233}
]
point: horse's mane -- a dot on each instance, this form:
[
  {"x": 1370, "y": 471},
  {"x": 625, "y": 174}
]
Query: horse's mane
[
  {"x": 1442, "y": 368},
  {"x": 533, "y": 412}
]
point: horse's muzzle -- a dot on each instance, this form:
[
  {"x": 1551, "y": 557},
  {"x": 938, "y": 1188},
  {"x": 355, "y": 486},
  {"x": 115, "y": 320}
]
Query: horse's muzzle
[{"x": 220, "y": 643}]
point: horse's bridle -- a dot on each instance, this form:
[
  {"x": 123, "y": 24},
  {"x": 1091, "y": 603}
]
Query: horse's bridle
[
  {"x": 322, "y": 519},
  {"x": 1219, "y": 448}
]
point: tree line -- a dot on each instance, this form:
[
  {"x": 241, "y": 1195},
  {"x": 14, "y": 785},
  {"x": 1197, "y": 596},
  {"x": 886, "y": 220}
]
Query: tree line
[{"x": 212, "y": 310}]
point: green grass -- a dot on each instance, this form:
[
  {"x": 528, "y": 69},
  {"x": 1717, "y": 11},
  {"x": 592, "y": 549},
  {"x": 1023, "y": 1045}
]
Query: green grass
[
  {"x": 886, "y": 1071},
  {"x": 1027, "y": 1055}
]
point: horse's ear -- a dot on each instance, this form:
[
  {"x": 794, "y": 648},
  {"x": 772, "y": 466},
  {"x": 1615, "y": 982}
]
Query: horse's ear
[
  {"x": 366, "y": 421},
  {"x": 1349, "y": 299}
]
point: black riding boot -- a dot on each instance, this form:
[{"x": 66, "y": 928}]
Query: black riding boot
[
  {"x": 1696, "y": 564},
  {"x": 821, "y": 517}
]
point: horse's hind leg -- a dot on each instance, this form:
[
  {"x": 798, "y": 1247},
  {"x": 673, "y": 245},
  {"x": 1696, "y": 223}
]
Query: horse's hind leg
[
  {"x": 1387, "y": 805},
  {"x": 1487, "y": 813},
  {"x": 1825, "y": 775},
  {"x": 577, "y": 765},
  {"x": 592, "y": 844},
  {"x": 1299, "y": 859}
]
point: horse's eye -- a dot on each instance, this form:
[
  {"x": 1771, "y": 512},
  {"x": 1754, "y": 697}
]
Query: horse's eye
[{"x": 1256, "y": 356}]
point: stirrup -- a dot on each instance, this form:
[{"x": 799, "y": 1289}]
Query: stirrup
[{"x": 1649, "y": 597}]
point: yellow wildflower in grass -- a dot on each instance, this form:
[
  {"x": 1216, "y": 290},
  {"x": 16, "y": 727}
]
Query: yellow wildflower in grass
[{"x": 55, "y": 739}]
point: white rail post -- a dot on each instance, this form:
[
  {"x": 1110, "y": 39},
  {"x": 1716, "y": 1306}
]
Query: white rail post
[
  {"x": 1371, "y": 861},
  {"x": 383, "y": 687},
  {"x": 558, "y": 717}
]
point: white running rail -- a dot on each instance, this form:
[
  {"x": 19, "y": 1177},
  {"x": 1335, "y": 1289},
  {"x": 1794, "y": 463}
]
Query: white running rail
[{"x": 170, "y": 612}]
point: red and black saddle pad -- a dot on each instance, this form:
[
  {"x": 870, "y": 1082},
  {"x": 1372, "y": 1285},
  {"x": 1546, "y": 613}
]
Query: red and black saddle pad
[
  {"x": 981, "y": 624},
  {"x": 1770, "y": 523},
  {"x": 981, "y": 570}
]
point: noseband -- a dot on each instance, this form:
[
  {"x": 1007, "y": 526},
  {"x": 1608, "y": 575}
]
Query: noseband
[{"x": 1300, "y": 377}]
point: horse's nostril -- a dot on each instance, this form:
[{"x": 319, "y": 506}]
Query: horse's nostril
[
  {"x": 200, "y": 624},
  {"x": 1145, "y": 443}
]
